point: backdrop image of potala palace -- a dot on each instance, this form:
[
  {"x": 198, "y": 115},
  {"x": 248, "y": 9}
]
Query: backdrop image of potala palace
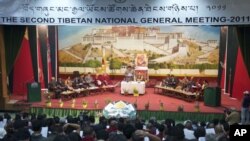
[{"x": 170, "y": 50}]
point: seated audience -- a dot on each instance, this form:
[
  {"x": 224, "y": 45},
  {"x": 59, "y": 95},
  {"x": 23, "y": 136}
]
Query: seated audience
[
  {"x": 37, "y": 127},
  {"x": 119, "y": 129}
]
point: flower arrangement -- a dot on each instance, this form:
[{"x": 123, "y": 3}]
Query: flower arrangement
[
  {"x": 96, "y": 104},
  {"x": 73, "y": 103},
  {"x": 60, "y": 103},
  {"x": 107, "y": 101},
  {"x": 180, "y": 108},
  {"x": 136, "y": 92},
  {"x": 197, "y": 106},
  {"x": 84, "y": 104},
  {"x": 135, "y": 104},
  {"x": 146, "y": 106},
  {"x": 125, "y": 91},
  {"x": 161, "y": 105},
  {"x": 48, "y": 102}
]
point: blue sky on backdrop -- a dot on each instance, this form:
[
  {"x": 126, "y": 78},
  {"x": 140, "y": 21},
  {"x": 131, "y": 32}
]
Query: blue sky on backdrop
[{"x": 70, "y": 35}]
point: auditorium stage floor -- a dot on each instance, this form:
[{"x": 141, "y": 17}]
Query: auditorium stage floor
[{"x": 170, "y": 104}]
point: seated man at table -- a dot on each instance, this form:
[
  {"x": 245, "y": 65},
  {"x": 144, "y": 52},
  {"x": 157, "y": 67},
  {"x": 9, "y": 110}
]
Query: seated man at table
[
  {"x": 106, "y": 82},
  {"x": 174, "y": 81},
  {"x": 61, "y": 85},
  {"x": 190, "y": 85},
  {"x": 56, "y": 87},
  {"x": 166, "y": 81},
  {"x": 89, "y": 80},
  {"x": 129, "y": 74},
  {"x": 76, "y": 82},
  {"x": 105, "y": 79}
]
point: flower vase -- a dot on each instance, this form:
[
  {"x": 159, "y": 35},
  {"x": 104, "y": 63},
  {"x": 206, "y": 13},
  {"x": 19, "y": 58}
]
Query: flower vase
[
  {"x": 197, "y": 106},
  {"x": 48, "y": 104},
  {"x": 96, "y": 105},
  {"x": 161, "y": 107},
  {"x": 85, "y": 105},
  {"x": 136, "y": 94},
  {"x": 146, "y": 106},
  {"x": 197, "y": 109},
  {"x": 61, "y": 104}
]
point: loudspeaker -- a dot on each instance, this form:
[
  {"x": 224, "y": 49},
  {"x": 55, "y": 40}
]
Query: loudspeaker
[
  {"x": 34, "y": 92},
  {"x": 212, "y": 96}
]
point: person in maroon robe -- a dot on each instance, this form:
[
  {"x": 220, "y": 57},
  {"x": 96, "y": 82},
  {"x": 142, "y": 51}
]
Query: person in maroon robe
[{"x": 106, "y": 79}]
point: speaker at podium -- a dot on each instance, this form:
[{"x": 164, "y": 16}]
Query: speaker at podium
[
  {"x": 34, "y": 92},
  {"x": 212, "y": 96}
]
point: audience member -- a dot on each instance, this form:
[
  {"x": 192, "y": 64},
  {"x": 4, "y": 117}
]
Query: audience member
[
  {"x": 245, "y": 108},
  {"x": 232, "y": 116},
  {"x": 36, "y": 135}
]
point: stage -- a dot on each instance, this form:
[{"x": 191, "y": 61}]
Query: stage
[{"x": 168, "y": 110}]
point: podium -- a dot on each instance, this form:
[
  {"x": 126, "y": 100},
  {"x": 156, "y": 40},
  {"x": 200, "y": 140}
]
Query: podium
[
  {"x": 34, "y": 92},
  {"x": 212, "y": 96}
]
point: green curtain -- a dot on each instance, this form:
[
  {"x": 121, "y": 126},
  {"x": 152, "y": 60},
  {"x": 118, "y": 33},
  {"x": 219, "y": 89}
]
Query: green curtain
[
  {"x": 244, "y": 40},
  {"x": 13, "y": 37},
  {"x": 160, "y": 115}
]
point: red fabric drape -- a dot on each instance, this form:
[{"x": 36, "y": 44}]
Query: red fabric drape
[
  {"x": 23, "y": 72},
  {"x": 241, "y": 78}
]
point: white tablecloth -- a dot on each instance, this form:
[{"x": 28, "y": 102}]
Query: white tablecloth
[{"x": 130, "y": 86}]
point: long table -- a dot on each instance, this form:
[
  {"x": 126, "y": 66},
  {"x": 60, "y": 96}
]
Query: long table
[
  {"x": 188, "y": 96},
  {"x": 129, "y": 87},
  {"x": 69, "y": 94}
]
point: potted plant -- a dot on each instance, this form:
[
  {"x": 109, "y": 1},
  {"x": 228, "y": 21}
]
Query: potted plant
[
  {"x": 197, "y": 106},
  {"x": 125, "y": 91},
  {"x": 161, "y": 105},
  {"x": 60, "y": 103},
  {"x": 84, "y": 104},
  {"x": 146, "y": 106},
  {"x": 135, "y": 104},
  {"x": 180, "y": 108},
  {"x": 48, "y": 102},
  {"x": 73, "y": 103},
  {"x": 96, "y": 104},
  {"x": 107, "y": 101},
  {"x": 136, "y": 92}
]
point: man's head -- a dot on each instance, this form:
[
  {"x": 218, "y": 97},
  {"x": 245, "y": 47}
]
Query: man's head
[{"x": 247, "y": 93}]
